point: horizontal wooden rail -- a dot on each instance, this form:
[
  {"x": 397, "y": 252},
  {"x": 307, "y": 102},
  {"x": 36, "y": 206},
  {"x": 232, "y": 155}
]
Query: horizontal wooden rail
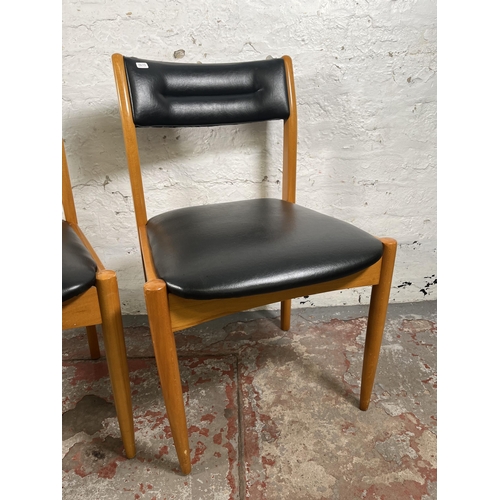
[
  {"x": 185, "y": 313},
  {"x": 82, "y": 310}
]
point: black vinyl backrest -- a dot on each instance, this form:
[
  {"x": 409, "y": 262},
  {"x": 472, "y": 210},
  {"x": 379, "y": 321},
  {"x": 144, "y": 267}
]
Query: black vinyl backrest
[{"x": 181, "y": 94}]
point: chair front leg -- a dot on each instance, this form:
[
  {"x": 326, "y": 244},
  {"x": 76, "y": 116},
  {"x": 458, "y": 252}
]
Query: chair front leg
[
  {"x": 165, "y": 350},
  {"x": 376, "y": 321},
  {"x": 116, "y": 355}
]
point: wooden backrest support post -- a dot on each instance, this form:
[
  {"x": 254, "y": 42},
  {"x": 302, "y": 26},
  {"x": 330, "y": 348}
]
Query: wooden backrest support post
[
  {"x": 69, "y": 209},
  {"x": 130, "y": 136},
  {"x": 67, "y": 194},
  {"x": 290, "y": 138}
]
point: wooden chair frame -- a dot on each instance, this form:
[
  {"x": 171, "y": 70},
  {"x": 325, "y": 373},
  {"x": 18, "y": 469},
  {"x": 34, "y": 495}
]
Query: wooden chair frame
[
  {"x": 100, "y": 305},
  {"x": 169, "y": 313}
]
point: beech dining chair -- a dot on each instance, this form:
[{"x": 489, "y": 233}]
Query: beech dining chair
[{"x": 204, "y": 262}]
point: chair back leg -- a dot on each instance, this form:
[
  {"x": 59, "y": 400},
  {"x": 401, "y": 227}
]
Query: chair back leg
[
  {"x": 95, "y": 353},
  {"x": 286, "y": 312}
]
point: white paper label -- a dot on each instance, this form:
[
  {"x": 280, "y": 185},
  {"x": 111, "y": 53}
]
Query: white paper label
[{"x": 142, "y": 65}]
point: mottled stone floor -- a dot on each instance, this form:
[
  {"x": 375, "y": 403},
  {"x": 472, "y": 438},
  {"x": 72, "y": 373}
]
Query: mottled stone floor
[{"x": 271, "y": 414}]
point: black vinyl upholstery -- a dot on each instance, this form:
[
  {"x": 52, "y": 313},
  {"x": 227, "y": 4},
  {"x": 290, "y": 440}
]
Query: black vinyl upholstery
[
  {"x": 78, "y": 266},
  {"x": 254, "y": 246},
  {"x": 247, "y": 247},
  {"x": 178, "y": 94}
]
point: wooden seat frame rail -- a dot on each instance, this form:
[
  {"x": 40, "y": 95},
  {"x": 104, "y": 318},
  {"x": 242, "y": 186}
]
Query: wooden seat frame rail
[
  {"x": 100, "y": 305},
  {"x": 169, "y": 313}
]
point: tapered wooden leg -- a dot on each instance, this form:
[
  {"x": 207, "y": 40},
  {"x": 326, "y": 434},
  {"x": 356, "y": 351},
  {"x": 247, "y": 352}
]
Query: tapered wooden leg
[
  {"x": 286, "y": 311},
  {"x": 376, "y": 321},
  {"x": 116, "y": 355},
  {"x": 95, "y": 353},
  {"x": 168, "y": 367}
]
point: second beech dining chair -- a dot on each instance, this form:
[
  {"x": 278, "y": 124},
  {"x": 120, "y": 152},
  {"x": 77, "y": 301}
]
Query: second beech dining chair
[
  {"x": 90, "y": 297},
  {"x": 208, "y": 261}
]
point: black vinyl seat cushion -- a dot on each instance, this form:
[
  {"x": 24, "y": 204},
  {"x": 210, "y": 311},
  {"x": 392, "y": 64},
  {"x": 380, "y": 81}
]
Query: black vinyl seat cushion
[
  {"x": 78, "y": 266},
  {"x": 252, "y": 247}
]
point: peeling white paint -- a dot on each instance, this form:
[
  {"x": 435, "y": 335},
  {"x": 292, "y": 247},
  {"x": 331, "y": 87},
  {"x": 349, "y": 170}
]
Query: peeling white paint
[{"x": 365, "y": 77}]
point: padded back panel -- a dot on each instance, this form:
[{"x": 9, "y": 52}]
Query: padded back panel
[{"x": 177, "y": 94}]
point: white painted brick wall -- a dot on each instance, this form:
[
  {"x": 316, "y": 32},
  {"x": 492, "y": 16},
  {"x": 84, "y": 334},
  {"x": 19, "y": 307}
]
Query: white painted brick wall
[{"x": 365, "y": 74}]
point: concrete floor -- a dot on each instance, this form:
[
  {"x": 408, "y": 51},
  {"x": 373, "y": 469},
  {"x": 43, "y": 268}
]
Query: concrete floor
[{"x": 271, "y": 414}]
